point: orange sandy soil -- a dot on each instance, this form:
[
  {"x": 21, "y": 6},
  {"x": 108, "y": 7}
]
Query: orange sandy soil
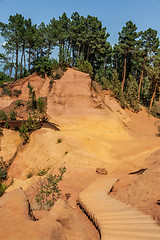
[{"x": 95, "y": 132}]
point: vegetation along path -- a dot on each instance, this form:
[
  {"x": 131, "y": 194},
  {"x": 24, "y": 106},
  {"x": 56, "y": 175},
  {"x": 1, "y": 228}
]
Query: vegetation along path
[{"x": 114, "y": 219}]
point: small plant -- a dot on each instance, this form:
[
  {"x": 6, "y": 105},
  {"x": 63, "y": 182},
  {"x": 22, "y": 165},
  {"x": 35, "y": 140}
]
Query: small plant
[
  {"x": 18, "y": 104},
  {"x": 59, "y": 140},
  {"x": 3, "y": 169},
  {"x": 51, "y": 84},
  {"x": 16, "y": 92},
  {"x": 6, "y": 91},
  {"x": 7, "y": 125},
  {"x": 49, "y": 190},
  {"x": 3, "y": 116},
  {"x": 1, "y": 132},
  {"x": 23, "y": 132},
  {"x": 13, "y": 115},
  {"x": 66, "y": 153},
  {"x": 42, "y": 172},
  {"x": 30, "y": 174},
  {"x": 3, "y": 187}
]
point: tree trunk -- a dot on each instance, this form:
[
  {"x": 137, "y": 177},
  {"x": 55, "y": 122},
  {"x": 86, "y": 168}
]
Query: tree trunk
[
  {"x": 24, "y": 60},
  {"x": 153, "y": 96},
  {"x": 11, "y": 68},
  {"x": 124, "y": 73},
  {"x": 140, "y": 83},
  {"x": 21, "y": 62},
  {"x": 29, "y": 60},
  {"x": 16, "y": 70}
]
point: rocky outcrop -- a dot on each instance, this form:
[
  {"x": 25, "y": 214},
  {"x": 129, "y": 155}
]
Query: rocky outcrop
[{"x": 17, "y": 221}]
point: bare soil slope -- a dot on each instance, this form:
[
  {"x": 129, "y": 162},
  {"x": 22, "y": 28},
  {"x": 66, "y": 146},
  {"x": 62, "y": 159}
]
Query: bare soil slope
[{"x": 95, "y": 132}]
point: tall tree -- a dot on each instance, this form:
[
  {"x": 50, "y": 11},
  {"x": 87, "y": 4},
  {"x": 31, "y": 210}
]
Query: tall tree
[
  {"x": 13, "y": 34},
  {"x": 149, "y": 47},
  {"x": 127, "y": 42}
]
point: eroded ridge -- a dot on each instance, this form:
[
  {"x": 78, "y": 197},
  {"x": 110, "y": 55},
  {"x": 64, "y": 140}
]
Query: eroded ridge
[{"x": 114, "y": 219}]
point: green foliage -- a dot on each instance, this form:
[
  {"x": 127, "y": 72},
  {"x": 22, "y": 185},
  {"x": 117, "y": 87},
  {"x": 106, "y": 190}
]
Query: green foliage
[
  {"x": 18, "y": 103},
  {"x": 59, "y": 140},
  {"x": 3, "y": 116},
  {"x": 16, "y": 92},
  {"x": 7, "y": 125},
  {"x": 49, "y": 190},
  {"x": 6, "y": 91},
  {"x": 44, "y": 65},
  {"x": 4, "y": 79},
  {"x": 131, "y": 93},
  {"x": 116, "y": 86},
  {"x": 51, "y": 84},
  {"x": 3, "y": 187},
  {"x": 12, "y": 115},
  {"x": 84, "y": 66},
  {"x": 3, "y": 171},
  {"x": 40, "y": 105},
  {"x": 30, "y": 174},
  {"x": 42, "y": 172},
  {"x": 32, "y": 103},
  {"x": 23, "y": 132},
  {"x": 33, "y": 122}
]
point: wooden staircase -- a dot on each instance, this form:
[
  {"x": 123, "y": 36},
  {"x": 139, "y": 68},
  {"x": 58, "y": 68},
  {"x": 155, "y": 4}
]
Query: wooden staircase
[{"x": 114, "y": 219}]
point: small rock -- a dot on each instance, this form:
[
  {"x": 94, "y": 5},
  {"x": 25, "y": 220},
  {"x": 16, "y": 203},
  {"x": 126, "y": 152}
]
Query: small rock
[{"x": 101, "y": 171}]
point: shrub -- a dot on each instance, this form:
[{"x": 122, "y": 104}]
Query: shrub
[
  {"x": 49, "y": 190},
  {"x": 6, "y": 91},
  {"x": 16, "y": 92},
  {"x": 42, "y": 172},
  {"x": 3, "y": 116},
  {"x": 3, "y": 187},
  {"x": 3, "y": 169},
  {"x": 51, "y": 84},
  {"x": 44, "y": 65},
  {"x": 7, "y": 125},
  {"x": 13, "y": 115},
  {"x": 40, "y": 105},
  {"x": 30, "y": 174},
  {"x": 59, "y": 140},
  {"x": 23, "y": 132},
  {"x": 131, "y": 93},
  {"x": 84, "y": 66},
  {"x": 18, "y": 104}
]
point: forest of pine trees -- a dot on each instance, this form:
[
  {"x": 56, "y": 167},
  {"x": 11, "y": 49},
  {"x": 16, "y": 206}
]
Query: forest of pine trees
[{"x": 130, "y": 68}]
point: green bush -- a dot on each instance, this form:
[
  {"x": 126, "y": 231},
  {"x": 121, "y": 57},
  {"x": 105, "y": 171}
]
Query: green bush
[
  {"x": 3, "y": 116},
  {"x": 3, "y": 171},
  {"x": 51, "y": 84},
  {"x": 23, "y": 132},
  {"x": 40, "y": 105},
  {"x": 59, "y": 140},
  {"x": 3, "y": 187},
  {"x": 42, "y": 172},
  {"x": 49, "y": 190},
  {"x": 13, "y": 115},
  {"x": 84, "y": 66},
  {"x": 44, "y": 65},
  {"x": 131, "y": 93},
  {"x": 18, "y": 104},
  {"x": 6, "y": 91},
  {"x": 16, "y": 92}
]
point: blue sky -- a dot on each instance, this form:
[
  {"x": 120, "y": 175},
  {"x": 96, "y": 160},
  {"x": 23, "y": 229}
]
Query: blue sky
[{"x": 113, "y": 14}]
